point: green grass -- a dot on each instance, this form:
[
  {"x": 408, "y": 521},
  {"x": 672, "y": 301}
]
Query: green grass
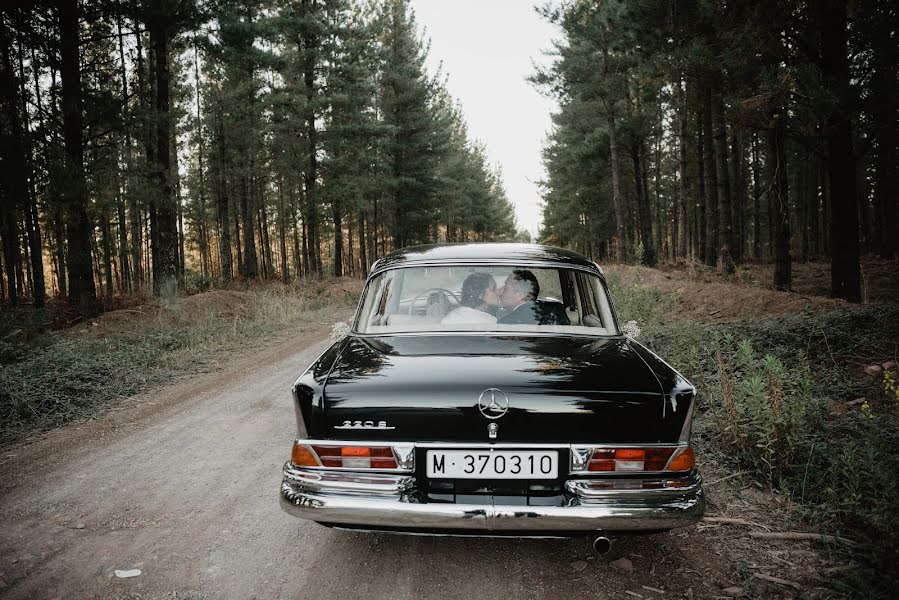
[
  {"x": 76, "y": 374},
  {"x": 773, "y": 398}
]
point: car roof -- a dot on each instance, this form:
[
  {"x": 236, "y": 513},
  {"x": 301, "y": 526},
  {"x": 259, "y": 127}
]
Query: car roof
[{"x": 467, "y": 253}]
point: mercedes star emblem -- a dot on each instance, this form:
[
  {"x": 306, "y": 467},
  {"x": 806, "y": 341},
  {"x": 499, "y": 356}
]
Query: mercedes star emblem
[{"x": 493, "y": 403}]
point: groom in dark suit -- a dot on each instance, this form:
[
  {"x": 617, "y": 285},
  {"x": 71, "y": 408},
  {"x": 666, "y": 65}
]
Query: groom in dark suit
[{"x": 519, "y": 296}]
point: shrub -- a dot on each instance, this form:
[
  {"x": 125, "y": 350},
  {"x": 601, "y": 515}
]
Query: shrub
[
  {"x": 773, "y": 395},
  {"x": 765, "y": 410},
  {"x": 636, "y": 302}
]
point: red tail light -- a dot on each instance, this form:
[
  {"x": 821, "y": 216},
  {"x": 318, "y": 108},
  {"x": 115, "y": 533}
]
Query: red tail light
[
  {"x": 344, "y": 457},
  {"x": 638, "y": 460}
]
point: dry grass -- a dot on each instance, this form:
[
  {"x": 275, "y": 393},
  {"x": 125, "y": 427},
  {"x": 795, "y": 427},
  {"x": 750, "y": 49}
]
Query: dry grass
[{"x": 78, "y": 372}]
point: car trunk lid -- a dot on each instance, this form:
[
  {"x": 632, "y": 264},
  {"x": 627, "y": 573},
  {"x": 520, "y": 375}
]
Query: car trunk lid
[{"x": 548, "y": 389}]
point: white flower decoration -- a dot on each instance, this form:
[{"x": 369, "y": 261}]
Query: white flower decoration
[
  {"x": 339, "y": 331},
  {"x": 631, "y": 329}
]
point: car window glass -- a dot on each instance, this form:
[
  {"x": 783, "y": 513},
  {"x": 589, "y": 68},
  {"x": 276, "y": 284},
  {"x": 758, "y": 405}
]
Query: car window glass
[
  {"x": 470, "y": 298},
  {"x": 588, "y": 301},
  {"x": 550, "y": 286}
]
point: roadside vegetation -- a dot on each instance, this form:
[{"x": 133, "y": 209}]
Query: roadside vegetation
[
  {"x": 806, "y": 405},
  {"x": 78, "y": 373}
]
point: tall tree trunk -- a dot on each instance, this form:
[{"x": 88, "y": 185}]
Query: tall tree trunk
[
  {"x": 12, "y": 156},
  {"x": 201, "y": 173},
  {"x": 135, "y": 211},
  {"x": 374, "y": 232},
  {"x": 163, "y": 219},
  {"x": 222, "y": 203},
  {"x": 310, "y": 176},
  {"x": 756, "y": 199},
  {"x": 266, "y": 231},
  {"x": 645, "y": 224},
  {"x": 702, "y": 195},
  {"x": 815, "y": 207},
  {"x": 307, "y": 267},
  {"x": 350, "y": 258},
  {"x": 738, "y": 193},
  {"x": 179, "y": 207},
  {"x": 778, "y": 200},
  {"x": 82, "y": 291},
  {"x": 711, "y": 178},
  {"x": 722, "y": 177},
  {"x": 124, "y": 266},
  {"x": 39, "y": 291},
  {"x": 143, "y": 210},
  {"x": 845, "y": 268},
  {"x": 683, "y": 184},
  {"x": 10, "y": 234},
  {"x": 363, "y": 255},
  {"x": 337, "y": 213},
  {"x": 658, "y": 225},
  {"x": 60, "y": 254},
  {"x": 52, "y": 200},
  {"x": 886, "y": 108},
  {"x": 260, "y": 229},
  {"x": 249, "y": 263},
  {"x": 105, "y": 238},
  {"x": 824, "y": 181},
  {"x": 238, "y": 247},
  {"x": 803, "y": 184},
  {"x": 282, "y": 233},
  {"x": 32, "y": 223},
  {"x": 294, "y": 221},
  {"x": 264, "y": 239},
  {"x": 617, "y": 202}
]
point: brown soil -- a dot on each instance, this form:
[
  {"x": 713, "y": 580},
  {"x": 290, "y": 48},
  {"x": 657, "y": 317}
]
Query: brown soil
[
  {"x": 228, "y": 304},
  {"x": 810, "y": 281},
  {"x": 709, "y": 299}
]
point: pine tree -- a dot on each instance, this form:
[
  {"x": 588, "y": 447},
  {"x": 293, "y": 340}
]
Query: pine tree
[{"x": 406, "y": 95}]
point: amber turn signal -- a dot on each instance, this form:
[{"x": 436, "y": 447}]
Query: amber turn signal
[
  {"x": 302, "y": 456},
  {"x": 683, "y": 461}
]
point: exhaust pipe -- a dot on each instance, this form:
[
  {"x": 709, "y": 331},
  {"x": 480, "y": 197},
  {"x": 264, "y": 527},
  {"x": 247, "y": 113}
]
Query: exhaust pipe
[{"x": 602, "y": 544}]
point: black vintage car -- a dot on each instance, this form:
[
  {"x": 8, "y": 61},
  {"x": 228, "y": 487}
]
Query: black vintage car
[{"x": 487, "y": 389}]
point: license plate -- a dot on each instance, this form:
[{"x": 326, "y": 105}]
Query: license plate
[{"x": 498, "y": 464}]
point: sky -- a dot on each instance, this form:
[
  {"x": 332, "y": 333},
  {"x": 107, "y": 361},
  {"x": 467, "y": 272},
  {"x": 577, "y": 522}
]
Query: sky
[{"x": 487, "y": 48}]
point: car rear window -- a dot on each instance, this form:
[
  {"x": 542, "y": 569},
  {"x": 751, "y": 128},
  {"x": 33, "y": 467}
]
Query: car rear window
[{"x": 485, "y": 298}]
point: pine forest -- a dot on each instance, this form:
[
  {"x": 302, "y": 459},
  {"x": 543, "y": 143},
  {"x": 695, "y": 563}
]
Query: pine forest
[
  {"x": 167, "y": 143},
  {"x": 721, "y": 132}
]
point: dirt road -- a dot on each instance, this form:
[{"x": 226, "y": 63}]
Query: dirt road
[{"x": 183, "y": 485}]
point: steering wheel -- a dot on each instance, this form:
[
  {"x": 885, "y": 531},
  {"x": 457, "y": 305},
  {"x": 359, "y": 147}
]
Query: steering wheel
[{"x": 428, "y": 292}]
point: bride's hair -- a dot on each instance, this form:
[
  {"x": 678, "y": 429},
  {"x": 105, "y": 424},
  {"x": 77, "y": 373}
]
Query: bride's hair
[{"x": 474, "y": 287}]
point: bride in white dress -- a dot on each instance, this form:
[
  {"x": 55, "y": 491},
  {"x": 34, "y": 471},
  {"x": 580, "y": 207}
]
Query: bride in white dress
[{"x": 478, "y": 296}]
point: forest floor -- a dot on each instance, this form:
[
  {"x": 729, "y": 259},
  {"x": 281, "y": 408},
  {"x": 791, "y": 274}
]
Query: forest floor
[
  {"x": 180, "y": 480},
  {"x": 704, "y": 295}
]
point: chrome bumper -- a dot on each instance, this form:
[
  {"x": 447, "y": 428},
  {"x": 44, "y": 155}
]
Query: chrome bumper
[{"x": 383, "y": 501}]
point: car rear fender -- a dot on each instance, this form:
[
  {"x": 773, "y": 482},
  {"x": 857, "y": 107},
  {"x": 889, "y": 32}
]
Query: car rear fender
[{"x": 308, "y": 390}]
